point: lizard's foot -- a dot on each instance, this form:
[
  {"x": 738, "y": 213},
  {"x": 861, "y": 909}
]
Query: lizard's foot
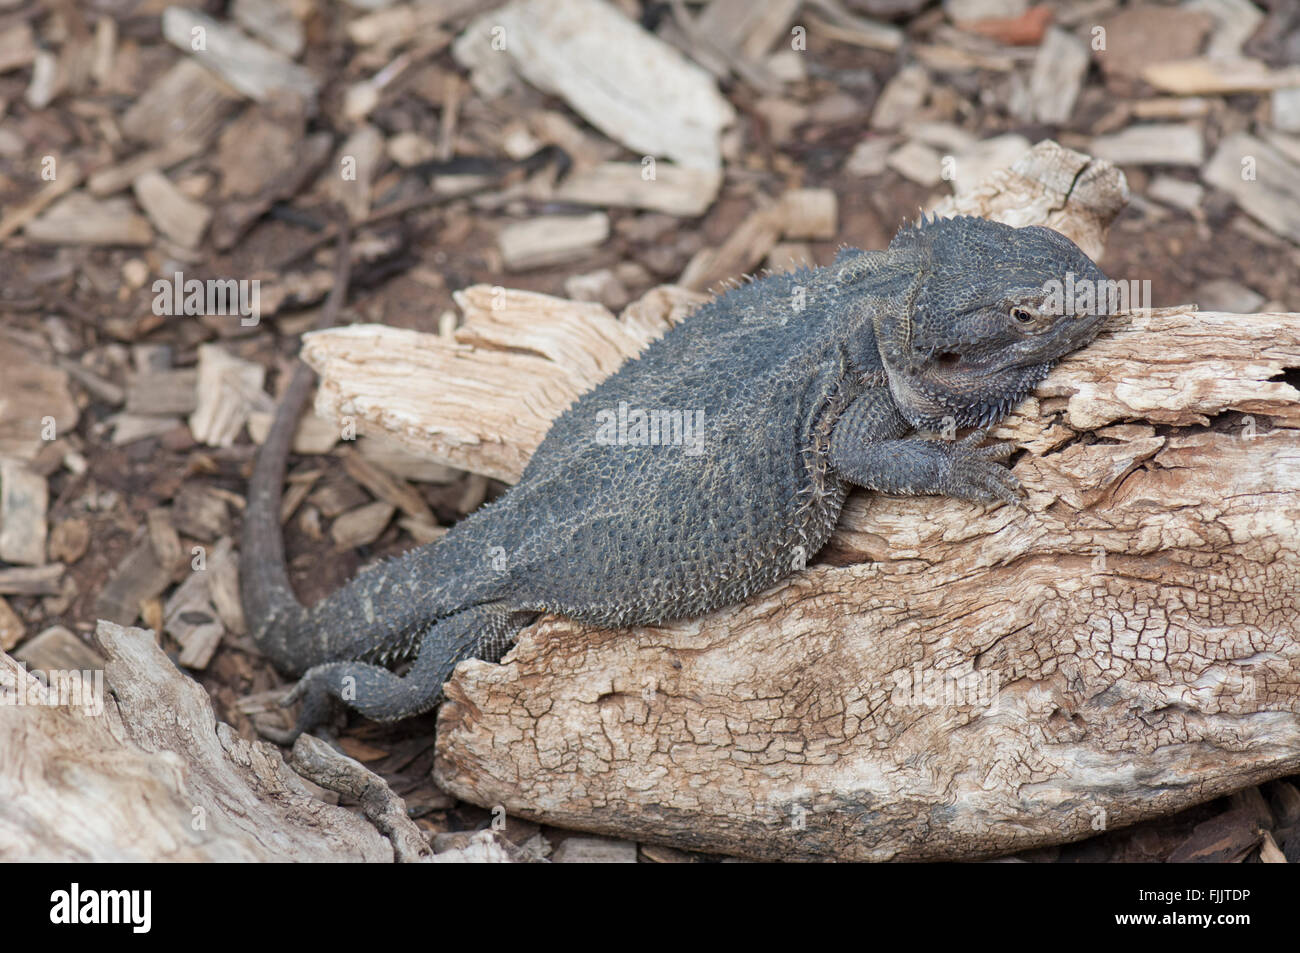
[
  {"x": 322, "y": 701},
  {"x": 372, "y": 690},
  {"x": 382, "y": 695},
  {"x": 974, "y": 473}
]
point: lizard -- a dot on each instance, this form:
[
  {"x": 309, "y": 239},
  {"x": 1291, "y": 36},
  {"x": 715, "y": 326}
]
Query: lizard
[{"x": 805, "y": 384}]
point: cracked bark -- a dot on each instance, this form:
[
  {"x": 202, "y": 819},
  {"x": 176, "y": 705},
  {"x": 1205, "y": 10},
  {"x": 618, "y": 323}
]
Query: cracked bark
[{"x": 945, "y": 680}]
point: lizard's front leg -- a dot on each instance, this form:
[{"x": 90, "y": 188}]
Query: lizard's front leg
[{"x": 868, "y": 448}]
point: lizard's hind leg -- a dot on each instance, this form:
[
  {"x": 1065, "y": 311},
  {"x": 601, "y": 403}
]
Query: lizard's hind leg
[{"x": 478, "y": 632}]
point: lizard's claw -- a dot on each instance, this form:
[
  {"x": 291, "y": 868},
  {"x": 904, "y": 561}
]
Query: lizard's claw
[{"x": 974, "y": 473}]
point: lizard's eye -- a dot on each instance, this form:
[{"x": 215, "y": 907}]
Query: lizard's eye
[{"x": 1023, "y": 316}]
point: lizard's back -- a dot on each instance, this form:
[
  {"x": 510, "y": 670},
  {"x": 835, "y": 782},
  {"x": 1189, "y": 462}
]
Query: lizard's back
[{"x": 605, "y": 529}]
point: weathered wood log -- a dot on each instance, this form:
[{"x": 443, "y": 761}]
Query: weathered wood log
[
  {"x": 147, "y": 773},
  {"x": 946, "y": 680},
  {"x": 949, "y": 680}
]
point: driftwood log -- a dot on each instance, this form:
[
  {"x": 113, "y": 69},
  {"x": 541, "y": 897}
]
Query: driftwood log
[
  {"x": 141, "y": 770},
  {"x": 946, "y": 680}
]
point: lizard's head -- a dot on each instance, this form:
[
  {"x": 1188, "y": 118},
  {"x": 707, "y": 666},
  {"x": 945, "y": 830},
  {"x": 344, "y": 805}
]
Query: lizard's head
[{"x": 988, "y": 315}]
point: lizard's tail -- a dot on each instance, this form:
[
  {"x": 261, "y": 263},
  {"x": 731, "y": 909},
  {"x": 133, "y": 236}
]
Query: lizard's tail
[{"x": 275, "y": 617}]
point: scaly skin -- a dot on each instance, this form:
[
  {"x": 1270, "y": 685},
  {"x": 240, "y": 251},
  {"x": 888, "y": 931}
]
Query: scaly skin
[{"x": 807, "y": 383}]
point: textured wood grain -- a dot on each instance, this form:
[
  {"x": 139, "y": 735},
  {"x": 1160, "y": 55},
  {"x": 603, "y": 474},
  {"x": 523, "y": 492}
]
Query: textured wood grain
[{"x": 149, "y": 774}]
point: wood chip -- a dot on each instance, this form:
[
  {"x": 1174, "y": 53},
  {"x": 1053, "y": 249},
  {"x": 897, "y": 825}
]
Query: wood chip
[
  {"x": 24, "y": 498},
  {"x": 255, "y": 70},
  {"x": 185, "y": 104},
  {"x": 748, "y": 29},
  {"x": 673, "y": 189},
  {"x": 228, "y": 389},
  {"x": 362, "y": 526},
  {"x": 336, "y": 496},
  {"x": 1187, "y": 196},
  {"x": 31, "y": 580},
  {"x": 411, "y": 148},
  {"x": 808, "y": 214},
  {"x": 314, "y": 435},
  {"x": 138, "y": 577},
  {"x": 833, "y": 21},
  {"x": 1224, "y": 839},
  {"x": 165, "y": 540},
  {"x": 400, "y": 22},
  {"x": 38, "y": 406},
  {"x": 46, "y": 82},
  {"x": 1153, "y": 144},
  {"x": 1269, "y": 852},
  {"x": 1284, "y": 107},
  {"x": 223, "y": 587},
  {"x": 294, "y": 494},
  {"x": 901, "y": 98},
  {"x": 236, "y": 217},
  {"x": 177, "y": 216},
  {"x": 128, "y": 428},
  {"x": 623, "y": 80},
  {"x": 11, "y": 627},
  {"x": 68, "y": 177},
  {"x": 1171, "y": 107},
  {"x": 100, "y": 388},
  {"x": 191, "y": 618},
  {"x": 57, "y": 649},
  {"x": 80, "y": 219},
  {"x": 1207, "y": 76},
  {"x": 392, "y": 457},
  {"x": 595, "y": 850},
  {"x": 917, "y": 162},
  {"x": 162, "y": 392},
  {"x": 355, "y": 167},
  {"x": 870, "y": 156},
  {"x": 423, "y": 533},
  {"x": 69, "y": 540},
  {"x": 17, "y": 47},
  {"x": 386, "y": 487},
  {"x": 551, "y": 239},
  {"x": 1265, "y": 183},
  {"x": 1057, "y": 76},
  {"x": 199, "y": 512},
  {"x": 745, "y": 247},
  {"x": 1234, "y": 23},
  {"x": 120, "y": 176},
  {"x": 272, "y": 21},
  {"x": 789, "y": 256}
]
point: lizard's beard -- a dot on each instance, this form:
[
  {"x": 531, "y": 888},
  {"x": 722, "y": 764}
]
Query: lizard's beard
[{"x": 930, "y": 403}]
